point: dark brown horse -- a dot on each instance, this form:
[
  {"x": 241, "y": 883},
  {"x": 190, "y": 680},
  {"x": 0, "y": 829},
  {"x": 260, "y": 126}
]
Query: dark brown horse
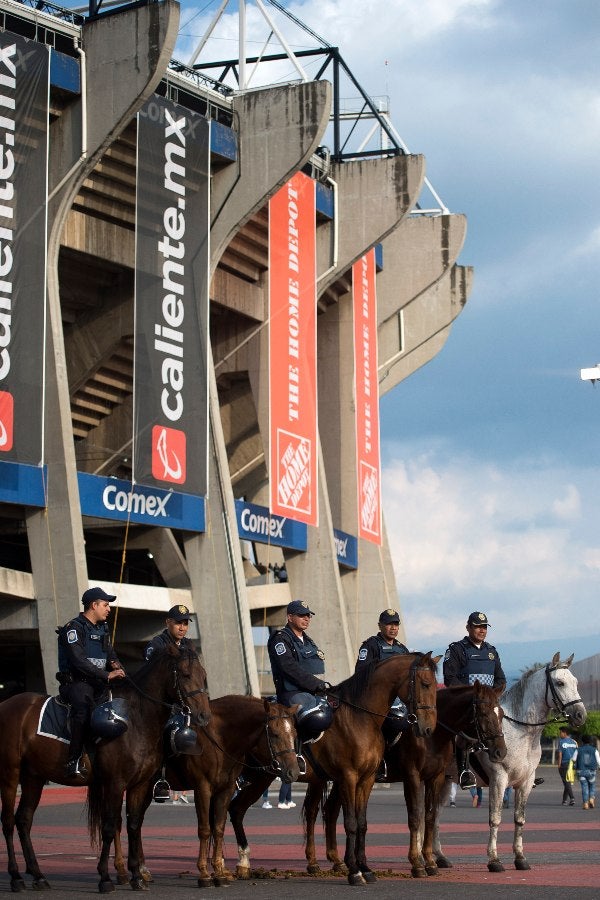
[
  {"x": 350, "y": 751},
  {"x": 471, "y": 711},
  {"x": 171, "y": 678},
  {"x": 240, "y": 727}
]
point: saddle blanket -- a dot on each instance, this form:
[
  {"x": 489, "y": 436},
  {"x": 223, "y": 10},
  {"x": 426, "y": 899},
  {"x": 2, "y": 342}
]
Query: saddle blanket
[{"x": 53, "y": 720}]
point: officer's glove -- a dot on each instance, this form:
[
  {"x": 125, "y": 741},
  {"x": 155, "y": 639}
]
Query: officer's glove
[{"x": 323, "y": 688}]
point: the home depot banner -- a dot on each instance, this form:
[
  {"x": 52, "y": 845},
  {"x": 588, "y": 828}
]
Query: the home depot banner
[
  {"x": 171, "y": 298},
  {"x": 367, "y": 398},
  {"x": 292, "y": 351},
  {"x": 24, "y": 92}
]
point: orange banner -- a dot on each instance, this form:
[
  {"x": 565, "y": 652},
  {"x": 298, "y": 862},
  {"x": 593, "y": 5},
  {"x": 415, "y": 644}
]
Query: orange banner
[
  {"x": 366, "y": 385},
  {"x": 292, "y": 351}
]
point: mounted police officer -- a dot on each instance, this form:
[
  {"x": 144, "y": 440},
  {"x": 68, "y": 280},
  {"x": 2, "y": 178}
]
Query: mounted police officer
[
  {"x": 177, "y": 622},
  {"x": 87, "y": 663},
  {"x": 383, "y": 645},
  {"x": 465, "y": 662},
  {"x": 296, "y": 661}
]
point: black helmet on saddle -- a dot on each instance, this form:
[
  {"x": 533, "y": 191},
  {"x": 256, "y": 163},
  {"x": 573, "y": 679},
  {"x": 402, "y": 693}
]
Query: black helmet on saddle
[
  {"x": 313, "y": 718},
  {"x": 182, "y": 738},
  {"x": 110, "y": 720}
]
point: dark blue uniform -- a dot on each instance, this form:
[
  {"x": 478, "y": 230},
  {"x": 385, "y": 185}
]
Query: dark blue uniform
[
  {"x": 464, "y": 663},
  {"x": 295, "y": 664},
  {"x": 163, "y": 640},
  {"x": 376, "y": 647}
]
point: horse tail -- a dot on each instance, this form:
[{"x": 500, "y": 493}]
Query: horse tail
[
  {"x": 95, "y": 805},
  {"x": 322, "y": 805}
]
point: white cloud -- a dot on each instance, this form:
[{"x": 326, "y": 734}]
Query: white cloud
[{"x": 513, "y": 541}]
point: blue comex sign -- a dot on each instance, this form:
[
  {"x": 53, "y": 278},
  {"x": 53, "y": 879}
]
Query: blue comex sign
[
  {"x": 24, "y": 484},
  {"x": 346, "y": 546},
  {"x": 111, "y": 498},
  {"x": 256, "y": 523}
]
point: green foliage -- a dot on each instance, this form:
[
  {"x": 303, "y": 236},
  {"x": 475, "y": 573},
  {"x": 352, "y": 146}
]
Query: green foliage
[{"x": 592, "y": 726}]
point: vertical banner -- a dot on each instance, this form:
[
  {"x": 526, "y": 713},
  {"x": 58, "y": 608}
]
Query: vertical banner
[
  {"x": 292, "y": 351},
  {"x": 366, "y": 384},
  {"x": 170, "y": 394},
  {"x": 24, "y": 97}
]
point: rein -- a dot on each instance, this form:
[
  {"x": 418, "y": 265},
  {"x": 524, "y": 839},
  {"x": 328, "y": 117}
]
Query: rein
[
  {"x": 413, "y": 705},
  {"x": 481, "y": 740},
  {"x": 556, "y": 704},
  {"x": 274, "y": 767},
  {"x": 183, "y": 695}
]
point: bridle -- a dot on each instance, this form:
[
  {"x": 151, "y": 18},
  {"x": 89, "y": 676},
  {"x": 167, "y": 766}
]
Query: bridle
[
  {"x": 556, "y": 703},
  {"x": 481, "y": 739},
  {"x": 182, "y": 696},
  {"x": 275, "y": 765},
  {"x": 413, "y": 705}
]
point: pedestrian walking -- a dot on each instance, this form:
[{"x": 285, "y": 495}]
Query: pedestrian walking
[
  {"x": 587, "y": 760},
  {"x": 566, "y": 748}
]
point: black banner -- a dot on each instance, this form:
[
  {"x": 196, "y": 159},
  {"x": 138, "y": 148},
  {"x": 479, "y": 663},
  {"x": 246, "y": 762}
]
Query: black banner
[
  {"x": 170, "y": 443},
  {"x": 24, "y": 94}
]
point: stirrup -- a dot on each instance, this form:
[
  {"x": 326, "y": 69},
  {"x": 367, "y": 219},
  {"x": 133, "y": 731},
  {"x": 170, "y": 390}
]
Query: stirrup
[
  {"x": 75, "y": 768},
  {"x": 467, "y": 780},
  {"x": 161, "y": 791},
  {"x": 382, "y": 773}
]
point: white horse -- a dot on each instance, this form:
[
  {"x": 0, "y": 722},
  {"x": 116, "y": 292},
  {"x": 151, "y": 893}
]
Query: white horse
[{"x": 526, "y": 707}]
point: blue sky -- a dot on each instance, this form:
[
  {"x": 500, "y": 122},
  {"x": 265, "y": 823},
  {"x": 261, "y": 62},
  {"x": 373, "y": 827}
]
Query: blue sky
[
  {"x": 490, "y": 452},
  {"x": 491, "y": 476}
]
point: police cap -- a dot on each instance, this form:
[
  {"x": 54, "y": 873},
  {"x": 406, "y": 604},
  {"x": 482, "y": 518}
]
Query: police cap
[
  {"x": 299, "y": 608},
  {"x": 179, "y": 613},
  {"x": 478, "y": 618},
  {"x": 389, "y": 617},
  {"x": 93, "y": 595}
]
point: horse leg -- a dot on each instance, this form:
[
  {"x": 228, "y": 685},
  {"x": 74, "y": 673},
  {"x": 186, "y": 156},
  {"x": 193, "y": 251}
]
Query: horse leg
[
  {"x": 137, "y": 803},
  {"x": 238, "y": 808},
  {"x": 31, "y": 792},
  {"x": 348, "y": 797},
  {"x": 437, "y": 790},
  {"x": 331, "y": 811},
  {"x": 363, "y": 792},
  {"x": 202, "y": 800},
  {"x": 221, "y": 875},
  {"x": 521, "y": 797},
  {"x": 498, "y": 783},
  {"x": 9, "y": 794},
  {"x": 309, "y": 815},
  {"x": 413, "y": 796},
  {"x": 119, "y": 861}
]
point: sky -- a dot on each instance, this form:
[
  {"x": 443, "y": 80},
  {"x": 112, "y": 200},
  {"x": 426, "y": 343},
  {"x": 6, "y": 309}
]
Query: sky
[{"x": 491, "y": 477}]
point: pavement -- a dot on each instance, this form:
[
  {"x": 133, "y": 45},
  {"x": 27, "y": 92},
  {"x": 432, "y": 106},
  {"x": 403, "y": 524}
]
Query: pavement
[{"x": 562, "y": 845}]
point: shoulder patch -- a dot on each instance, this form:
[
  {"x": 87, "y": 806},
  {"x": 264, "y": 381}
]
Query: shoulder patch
[
  {"x": 447, "y": 656},
  {"x": 362, "y": 653},
  {"x": 71, "y": 636},
  {"x": 280, "y": 648}
]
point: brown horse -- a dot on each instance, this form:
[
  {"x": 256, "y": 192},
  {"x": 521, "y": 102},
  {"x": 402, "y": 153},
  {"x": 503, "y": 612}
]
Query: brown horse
[
  {"x": 350, "y": 751},
  {"x": 239, "y": 727},
  {"x": 471, "y": 711},
  {"x": 171, "y": 678}
]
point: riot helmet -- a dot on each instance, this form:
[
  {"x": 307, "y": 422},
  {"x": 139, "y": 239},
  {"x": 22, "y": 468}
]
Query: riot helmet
[{"x": 110, "y": 720}]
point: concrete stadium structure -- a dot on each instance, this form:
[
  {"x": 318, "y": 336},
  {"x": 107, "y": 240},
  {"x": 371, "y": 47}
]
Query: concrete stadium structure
[{"x": 50, "y": 555}]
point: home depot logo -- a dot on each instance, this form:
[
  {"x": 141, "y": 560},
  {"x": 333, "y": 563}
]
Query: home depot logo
[
  {"x": 294, "y": 472},
  {"x": 369, "y": 499},
  {"x": 6, "y": 421},
  {"x": 168, "y": 454}
]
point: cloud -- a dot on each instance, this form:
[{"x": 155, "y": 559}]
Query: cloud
[{"x": 469, "y": 535}]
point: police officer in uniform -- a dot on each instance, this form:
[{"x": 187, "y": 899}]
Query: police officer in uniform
[
  {"x": 295, "y": 658},
  {"x": 87, "y": 663},
  {"x": 177, "y": 622},
  {"x": 467, "y": 661}
]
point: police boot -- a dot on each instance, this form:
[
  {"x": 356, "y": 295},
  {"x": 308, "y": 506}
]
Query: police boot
[
  {"x": 466, "y": 778},
  {"x": 74, "y": 768}
]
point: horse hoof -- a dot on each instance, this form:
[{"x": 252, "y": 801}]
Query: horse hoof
[
  {"x": 370, "y": 877},
  {"x": 522, "y": 865},
  {"x": 17, "y": 885},
  {"x": 432, "y": 870},
  {"x": 205, "y": 882},
  {"x": 337, "y": 869},
  {"x": 314, "y": 869},
  {"x": 222, "y": 880},
  {"x": 106, "y": 887},
  {"x": 418, "y": 872},
  {"x": 122, "y": 879},
  {"x": 138, "y": 884},
  {"x": 40, "y": 884},
  {"x": 495, "y": 866},
  {"x": 355, "y": 879},
  {"x": 443, "y": 863},
  {"x": 242, "y": 873},
  {"x": 146, "y": 874}
]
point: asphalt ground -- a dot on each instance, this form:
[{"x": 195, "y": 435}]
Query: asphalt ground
[{"x": 562, "y": 845}]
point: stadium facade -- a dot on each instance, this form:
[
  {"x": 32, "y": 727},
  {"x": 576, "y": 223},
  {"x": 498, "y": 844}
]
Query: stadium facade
[{"x": 72, "y": 516}]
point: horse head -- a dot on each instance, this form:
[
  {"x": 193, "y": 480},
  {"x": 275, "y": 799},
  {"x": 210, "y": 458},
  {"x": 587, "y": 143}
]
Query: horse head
[
  {"x": 188, "y": 688},
  {"x": 421, "y": 701},
  {"x": 561, "y": 691},
  {"x": 488, "y": 720},
  {"x": 281, "y": 740}
]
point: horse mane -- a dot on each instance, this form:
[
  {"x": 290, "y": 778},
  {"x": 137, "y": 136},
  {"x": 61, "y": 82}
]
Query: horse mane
[
  {"x": 352, "y": 689},
  {"x": 516, "y": 693}
]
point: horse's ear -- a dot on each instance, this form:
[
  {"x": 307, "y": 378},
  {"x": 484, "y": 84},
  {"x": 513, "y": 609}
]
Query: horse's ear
[
  {"x": 267, "y": 706},
  {"x": 435, "y": 659},
  {"x": 568, "y": 662},
  {"x": 555, "y": 659}
]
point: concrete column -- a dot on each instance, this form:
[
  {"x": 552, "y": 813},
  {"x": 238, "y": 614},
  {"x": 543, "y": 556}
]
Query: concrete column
[
  {"x": 126, "y": 55},
  {"x": 276, "y": 137}
]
